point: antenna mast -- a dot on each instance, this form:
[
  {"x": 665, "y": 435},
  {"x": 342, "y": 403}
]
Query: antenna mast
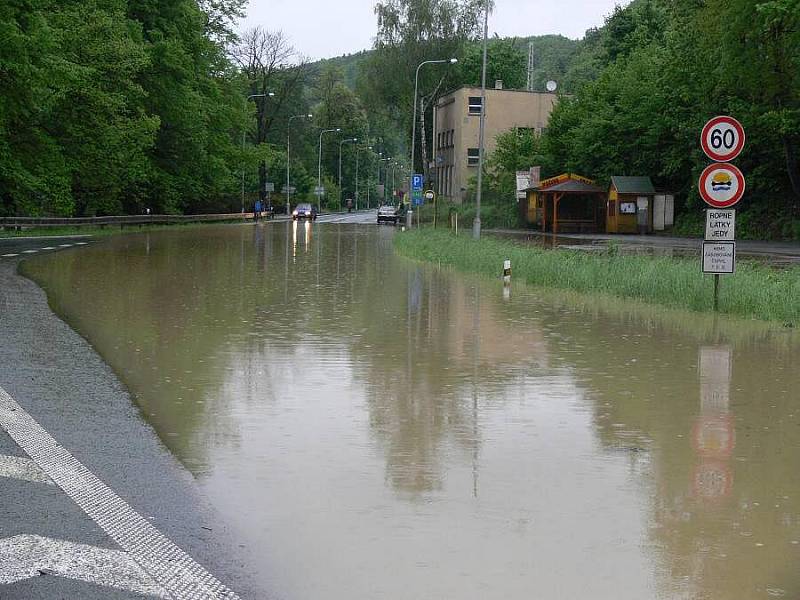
[{"x": 530, "y": 66}]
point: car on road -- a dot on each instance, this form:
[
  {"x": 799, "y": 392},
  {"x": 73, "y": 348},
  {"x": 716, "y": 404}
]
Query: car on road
[
  {"x": 387, "y": 214},
  {"x": 304, "y": 211}
]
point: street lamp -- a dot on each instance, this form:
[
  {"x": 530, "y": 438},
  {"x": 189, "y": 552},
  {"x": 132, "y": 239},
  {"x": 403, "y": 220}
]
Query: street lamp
[
  {"x": 288, "y": 130},
  {"x": 385, "y": 175},
  {"x": 476, "y": 224},
  {"x": 342, "y": 142},
  {"x": 394, "y": 164},
  {"x": 270, "y": 94},
  {"x": 451, "y": 61},
  {"x": 319, "y": 167},
  {"x": 357, "y": 155}
]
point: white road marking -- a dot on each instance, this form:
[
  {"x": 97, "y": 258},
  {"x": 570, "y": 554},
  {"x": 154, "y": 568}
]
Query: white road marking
[
  {"x": 27, "y": 556},
  {"x": 47, "y": 248},
  {"x": 65, "y": 245},
  {"x": 29, "y": 251},
  {"x": 9, "y": 255},
  {"x": 165, "y": 562},
  {"x": 17, "y": 467},
  {"x": 80, "y": 243}
]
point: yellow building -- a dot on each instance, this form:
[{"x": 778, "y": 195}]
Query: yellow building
[
  {"x": 456, "y": 122},
  {"x": 630, "y": 205}
]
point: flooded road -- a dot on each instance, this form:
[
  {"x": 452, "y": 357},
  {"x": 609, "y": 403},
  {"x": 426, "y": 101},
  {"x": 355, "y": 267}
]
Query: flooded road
[{"x": 377, "y": 428}]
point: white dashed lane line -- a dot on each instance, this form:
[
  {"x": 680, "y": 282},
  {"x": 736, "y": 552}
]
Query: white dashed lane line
[
  {"x": 168, "y": 566},
  {"x": 9, "y": 255},
  {"x": 29, "y": 251},
  {"x": 28, "y": 556},
  {"x": 65, "y": 245},
  {"x": 17, "y": 467},
  {"x": 47, "y": 248}
]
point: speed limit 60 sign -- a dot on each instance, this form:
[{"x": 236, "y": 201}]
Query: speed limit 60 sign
[{"x": 722, "y": 138}]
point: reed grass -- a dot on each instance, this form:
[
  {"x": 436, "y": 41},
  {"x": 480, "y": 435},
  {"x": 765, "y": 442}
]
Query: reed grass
[{"x": 755, "y": 291}]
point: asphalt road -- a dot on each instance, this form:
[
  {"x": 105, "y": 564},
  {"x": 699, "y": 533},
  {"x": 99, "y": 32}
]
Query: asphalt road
[
  {"x": 94, "y": 504},
  {"x": 773, "y": 252},
  {"x": 49, "y": 545}
]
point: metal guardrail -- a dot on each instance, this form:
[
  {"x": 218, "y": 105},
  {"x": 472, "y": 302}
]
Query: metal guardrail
[{"x": 25, "y": 222}]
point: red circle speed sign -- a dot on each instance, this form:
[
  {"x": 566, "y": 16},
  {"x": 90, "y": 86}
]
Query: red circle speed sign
[
  {"x": 721, "y": 185},
  {"x": 722, "y": 138}
]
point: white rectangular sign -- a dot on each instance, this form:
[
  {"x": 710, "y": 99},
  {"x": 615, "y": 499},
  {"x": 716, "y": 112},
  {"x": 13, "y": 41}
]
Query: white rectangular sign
[
  {"x": 720, "y": 225},
  {"x": 719, "y": 257},
  {"x": 523, "y": 183}
]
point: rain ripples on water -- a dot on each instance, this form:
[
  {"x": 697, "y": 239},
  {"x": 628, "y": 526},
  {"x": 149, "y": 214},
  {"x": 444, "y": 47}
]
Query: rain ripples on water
[{"x": 377, "y": 428}]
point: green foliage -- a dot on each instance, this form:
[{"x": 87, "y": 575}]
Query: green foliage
[
  {"x": 409, "y": 33},
  {"x": 506, "y": 61},
  {"x": 645, "y": 83},
  {"x": 108, "y": 106}
]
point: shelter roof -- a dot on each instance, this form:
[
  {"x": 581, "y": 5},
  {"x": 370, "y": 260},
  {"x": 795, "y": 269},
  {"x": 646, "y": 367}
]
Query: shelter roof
[
  {"x": 571, "y": 184},
  {"x": 633, "y": 185}
]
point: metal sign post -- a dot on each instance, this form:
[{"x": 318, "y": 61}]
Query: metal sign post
[
  {"x": 417, "y": 182},
  {"x": 721, "y": 186}
]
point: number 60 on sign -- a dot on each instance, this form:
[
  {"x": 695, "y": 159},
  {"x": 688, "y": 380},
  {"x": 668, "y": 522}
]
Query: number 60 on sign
[{"x": 722, "y": 138}]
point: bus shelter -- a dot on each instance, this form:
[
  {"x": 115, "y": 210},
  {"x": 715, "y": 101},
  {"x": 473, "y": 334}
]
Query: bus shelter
[{"x": 567, "y": 203}]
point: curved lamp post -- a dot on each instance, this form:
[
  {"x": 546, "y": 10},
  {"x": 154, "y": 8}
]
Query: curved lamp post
[{"x": 414, "y": 121}]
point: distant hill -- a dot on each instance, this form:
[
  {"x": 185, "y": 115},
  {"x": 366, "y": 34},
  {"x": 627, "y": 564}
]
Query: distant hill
[
  {"x": 555, "y": 57},
  {"x": 348, "y": 63}
]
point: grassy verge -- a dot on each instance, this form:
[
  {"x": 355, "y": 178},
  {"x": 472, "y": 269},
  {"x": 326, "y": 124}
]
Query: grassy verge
[{"x": 754, "y": 292}]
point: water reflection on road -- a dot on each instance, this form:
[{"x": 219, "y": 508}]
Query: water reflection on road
[{"x": 375, "y": 428}]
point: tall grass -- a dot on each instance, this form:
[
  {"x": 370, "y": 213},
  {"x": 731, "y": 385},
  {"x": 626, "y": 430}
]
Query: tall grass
[{"x": 755, "y": 291}]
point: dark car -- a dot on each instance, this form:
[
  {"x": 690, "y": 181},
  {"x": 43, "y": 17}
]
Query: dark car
[{"x": 304, "y": 211}]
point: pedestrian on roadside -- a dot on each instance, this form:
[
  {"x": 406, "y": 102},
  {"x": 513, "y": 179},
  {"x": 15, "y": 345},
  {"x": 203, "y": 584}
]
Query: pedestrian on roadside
[{"x": 257, "y": 211}]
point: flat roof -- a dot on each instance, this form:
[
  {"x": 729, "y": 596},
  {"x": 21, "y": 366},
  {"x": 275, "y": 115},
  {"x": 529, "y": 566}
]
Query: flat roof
[{"x": 492, "y": 89}]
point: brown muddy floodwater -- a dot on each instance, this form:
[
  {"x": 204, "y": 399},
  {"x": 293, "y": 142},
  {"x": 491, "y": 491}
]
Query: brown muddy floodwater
[{"x": 375, "y": 428}]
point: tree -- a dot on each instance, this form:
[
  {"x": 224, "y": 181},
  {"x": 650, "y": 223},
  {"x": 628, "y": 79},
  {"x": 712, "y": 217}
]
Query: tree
[
  {"x": 410, "y": 32},
  {"x": 506, "y": 61},
  {"x": 338, "y": 106},
  {"x": 270, "y": 65}
]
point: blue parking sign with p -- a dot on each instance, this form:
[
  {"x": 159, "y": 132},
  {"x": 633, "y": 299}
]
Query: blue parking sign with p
[{"x": 416, "y": 189}]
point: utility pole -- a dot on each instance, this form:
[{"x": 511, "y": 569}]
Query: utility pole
[
  {"x": 476, "y": 224},
  {"x": 319, "y": 168}
]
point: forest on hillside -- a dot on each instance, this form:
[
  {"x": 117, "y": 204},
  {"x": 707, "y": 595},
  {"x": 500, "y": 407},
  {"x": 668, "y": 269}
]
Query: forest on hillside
[{"x": 115, "y": 106}]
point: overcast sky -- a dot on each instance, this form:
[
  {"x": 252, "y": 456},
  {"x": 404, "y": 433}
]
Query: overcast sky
[{"x": 327, "y": 28}]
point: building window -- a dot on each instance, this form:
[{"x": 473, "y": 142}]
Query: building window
[
  {"x": 473, "y": 154},
  {"x": 474, "y": 105}
]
